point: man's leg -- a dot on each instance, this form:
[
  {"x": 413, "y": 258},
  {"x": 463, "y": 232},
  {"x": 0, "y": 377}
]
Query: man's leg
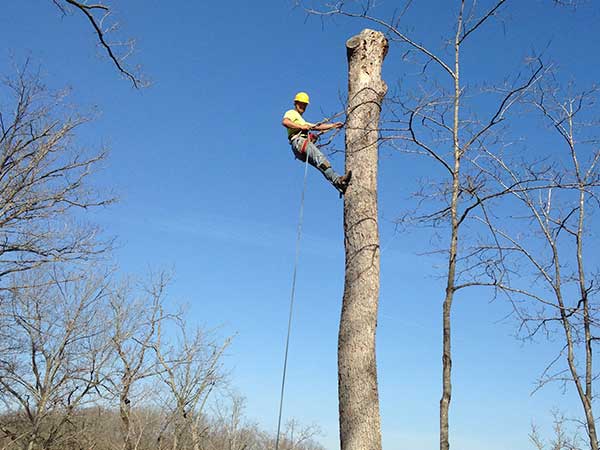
[{"x": 317, "y": 159}]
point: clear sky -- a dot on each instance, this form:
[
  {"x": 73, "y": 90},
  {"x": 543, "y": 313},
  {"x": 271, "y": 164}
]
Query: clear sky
[{"x": 209, "y": 187}]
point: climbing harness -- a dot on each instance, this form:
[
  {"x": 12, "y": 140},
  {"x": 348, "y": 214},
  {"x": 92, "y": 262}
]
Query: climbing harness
[
  {"x": 310, "y": 137},
  {"x": 289, "y": 329}
]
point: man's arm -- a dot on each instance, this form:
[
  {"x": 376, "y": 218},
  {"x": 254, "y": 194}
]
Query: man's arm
[
  {"x": 294, "y": 126},
  {"x": 327, "y": 126},
  {"x": 310, "y": 126}
]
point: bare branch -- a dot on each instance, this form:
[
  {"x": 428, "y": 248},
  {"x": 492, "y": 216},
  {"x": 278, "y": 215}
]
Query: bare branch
[
  {"x": 89, "y": 11},
  {"x": 485, "y": 17}
]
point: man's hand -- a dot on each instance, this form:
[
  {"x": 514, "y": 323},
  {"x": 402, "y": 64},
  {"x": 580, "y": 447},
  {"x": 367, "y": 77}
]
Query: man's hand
[{"x": 332, "y": 126}]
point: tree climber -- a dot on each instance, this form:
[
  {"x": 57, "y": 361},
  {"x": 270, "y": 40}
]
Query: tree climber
[{"x": 302, "y": 141}]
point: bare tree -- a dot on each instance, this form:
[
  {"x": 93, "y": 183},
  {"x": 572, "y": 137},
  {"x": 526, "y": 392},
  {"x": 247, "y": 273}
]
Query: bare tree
[
  {"x": 225, "y": 428},
  {"x": 230, "y": 429},
  {"x": 556, "y": 293},
  {"x": 134, "y": 325},
  {"x": 99, "y": 15},
  {"x": 54, "y": 354},
  {"x": 435, "y": 124},
  {"x": 298, "y": 437},
  {"x": 191, "y": 370},
  {"x": 43, "y": 178},
  {"x": 562, "y": 439}
]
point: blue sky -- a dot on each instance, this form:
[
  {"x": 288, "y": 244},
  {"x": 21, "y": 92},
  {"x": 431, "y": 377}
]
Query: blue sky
[{"x": 209, "y": 187}]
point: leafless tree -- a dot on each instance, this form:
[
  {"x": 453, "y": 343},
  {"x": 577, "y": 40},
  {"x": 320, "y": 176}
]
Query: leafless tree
[
  {"x": 546, "y": 241},
  {"x": 229, "y": 428},
  {"x": 191, "y": 369},
  {"x": 81, "y": 358},
  {"x": 54, "y": 353},
  {"x": 99, "y": 15},
  {"x": 562, "y": 439},
  {"x": 43, "y": 179},
  {"x": 437, "y": 123},
  {"x": 298, "y": 437},
  {"x": 134, "y": 324}
]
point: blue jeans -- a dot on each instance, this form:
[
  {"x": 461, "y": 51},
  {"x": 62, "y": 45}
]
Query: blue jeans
[{"x": 315, "y": 158}]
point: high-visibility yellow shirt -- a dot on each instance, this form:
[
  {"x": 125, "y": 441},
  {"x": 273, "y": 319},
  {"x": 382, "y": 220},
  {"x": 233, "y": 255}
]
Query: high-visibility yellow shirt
[{"x": 297, "y": 118}]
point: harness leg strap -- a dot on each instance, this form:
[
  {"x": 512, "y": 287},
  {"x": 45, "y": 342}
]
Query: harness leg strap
[
  {"x": 325, "y": 165},
  {"x": 304, "y": 144}
]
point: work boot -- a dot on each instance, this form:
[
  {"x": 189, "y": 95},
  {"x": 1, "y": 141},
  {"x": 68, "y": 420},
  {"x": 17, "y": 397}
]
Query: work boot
[{"x": 342, "y": 182}]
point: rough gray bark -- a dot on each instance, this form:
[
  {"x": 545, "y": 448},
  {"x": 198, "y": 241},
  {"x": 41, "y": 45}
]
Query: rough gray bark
[{"x": 357, "y": 379}]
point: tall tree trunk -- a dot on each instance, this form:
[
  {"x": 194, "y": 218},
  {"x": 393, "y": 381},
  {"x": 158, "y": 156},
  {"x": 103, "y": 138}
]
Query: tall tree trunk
[
  {"x": 453, "y": 249},
  {"x": 357, "y": 379},
  {"x": 586, "y": 396}
]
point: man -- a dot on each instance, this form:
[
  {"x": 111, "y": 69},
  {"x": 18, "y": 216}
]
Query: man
[{"x": 302, "y": 141}]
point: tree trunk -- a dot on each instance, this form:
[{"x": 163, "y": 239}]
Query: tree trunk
[
  {"x": 357, "y": 379},
  {"x": 125, "y": 413},
  {"x": 452, "y": 251},
  {"x": 195, "y": 430}
]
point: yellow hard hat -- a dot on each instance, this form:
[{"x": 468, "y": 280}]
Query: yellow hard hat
[{"x": 301, "y": 97}]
